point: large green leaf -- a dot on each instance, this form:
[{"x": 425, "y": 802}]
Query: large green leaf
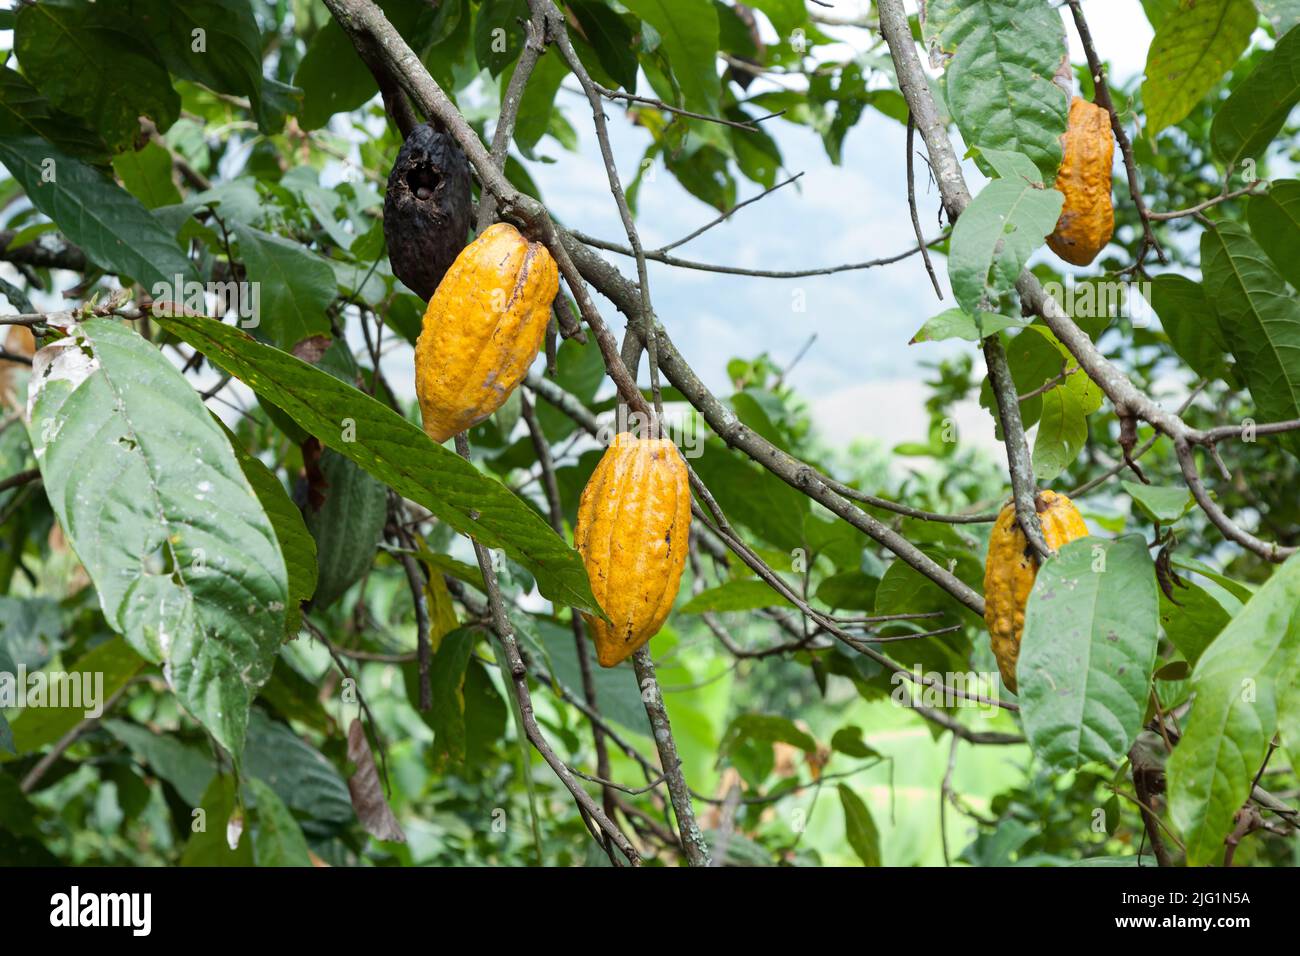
[
  {"x": 742, "y": 595},
  {"x": 210, "y": 845},
  {"x": 859, "y": 827},
  {"x": 1247, "y": 122},
  {"x": 1259, "y": 318},
  {"x": 116, "y": 232},
  {"x": 999, "y": 82},
  {"x": 1194, "y": 46},
  {"x": 230, "y": 57},
  {"x": 187, "y": 767},
  {"x": 1088, "y": 651},
  {"x": 1062, "y": 431},
  {"x": 397, "y": 453},
  {"x": 90, "y": 60},
  {"x": 688, "y": 30},
  {"x": 332, "y": 77},
  {"x": 996, "y": 234},
  {"x": 295, "y": 285},
  {"x": 305, "y": 780},
  {"x": 1198, "y": 617},
  {"x": 1239, "y": 684},
  {"x": 296, "y": 543},
  {"x": 149, "y": 493},
  {"x": 278, "y": 840},
  {"x": 24, "y": 111},
  {"x": 611, "y": 38},
  {"x": 1190, "y": 322},
  {"x": 1275, "y": 225},
  {"x": 347, "y": 527}
]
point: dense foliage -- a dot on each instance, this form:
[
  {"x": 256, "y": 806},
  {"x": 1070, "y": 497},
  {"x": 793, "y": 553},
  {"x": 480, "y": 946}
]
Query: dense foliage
[{"x": 215, "y": 502}]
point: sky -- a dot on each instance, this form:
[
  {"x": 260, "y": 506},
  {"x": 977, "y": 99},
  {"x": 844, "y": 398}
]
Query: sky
[{"x": 861, "y": 376}]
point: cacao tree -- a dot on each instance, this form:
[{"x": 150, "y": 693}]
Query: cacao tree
[{"x": 359, "y": 508}]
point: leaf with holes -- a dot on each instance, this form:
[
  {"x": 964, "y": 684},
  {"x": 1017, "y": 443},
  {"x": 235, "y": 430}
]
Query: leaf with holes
[{"x": 149, "y": 493}]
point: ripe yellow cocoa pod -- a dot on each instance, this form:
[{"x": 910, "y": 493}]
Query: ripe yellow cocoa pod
[
  {"x": 1087, "y": 218},
  {"x": 634, "y": 520},
  {"x": 1010, "y": 569},
  {"x": 482, "y": 329}
]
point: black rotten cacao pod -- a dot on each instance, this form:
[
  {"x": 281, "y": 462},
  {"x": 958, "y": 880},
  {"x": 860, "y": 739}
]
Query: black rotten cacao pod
[{"x": 426, "y": 209}]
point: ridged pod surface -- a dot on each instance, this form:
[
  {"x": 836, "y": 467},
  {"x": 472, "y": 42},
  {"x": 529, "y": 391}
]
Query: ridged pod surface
[
  {"x": 1010, "y": 569},
  {"x": 482, "y": 329},
  {"x": 634, "y": 520},
  {"x": 1087, "y": 218}
]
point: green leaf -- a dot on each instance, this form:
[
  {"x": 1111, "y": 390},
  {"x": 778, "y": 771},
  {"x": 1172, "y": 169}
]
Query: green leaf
[
  {"x": 295, "y": 284},
  {"x": 186, "y": 566},
  {"x": 960, "y": 324},
  {"x": 397, "y": 453},
  {"x": 348, "y": 526},
  {"x": 332, "y": 77},
  {"x": 1275, "y": 225},
  {"x": 278, "y": 840},
  {"x": 617, "y": 692},
  {"x": 859, "y": 827},
  {"x": 296, "y": 543},
  {"x": 1197, "y": 619},
  {"x": 688, "y": 31},
  {"x": 1190, "y": 322},
  {"x": 91, "y": 61},
  {"x": 1259, "y": 318},
  {"x": 6, "y": 737},
  {"x": 611, "y": 38},
  {"x": 209, "y": 846},
  {"x": 538, "y": 100},
  {"x": 754, "y": 498},
  {"x": 849, "y": 591},
  {"x": 1249, "y": 119},
  {"x": 447, "y": 678},
  {"x": 24, "y": 112},
  {"x": 848, "y": 740},
  {"x": 107, "y": 222},
  {"x": 1062, "y": 432},
  {"x": 1194, "y": 47},
  {"x": 999, "y": 81},
  {"x": 230, "y": 58},
  {"x": 743, "y": 595},
  {"x": 498, "y": 35},
  {"x": 302, "y": 776},
  {"x": 767, "y": 729},
  {"x": 1088, "y": 651},
  {"x": 998, "y": 231},
  {"x": 1239, "y": 684},
  {"x": 186, "y": 767},
  {"x": 147, "y": 175},
  {"x": 1162, "y": 503},
  {"x": 40, "y": 726}
]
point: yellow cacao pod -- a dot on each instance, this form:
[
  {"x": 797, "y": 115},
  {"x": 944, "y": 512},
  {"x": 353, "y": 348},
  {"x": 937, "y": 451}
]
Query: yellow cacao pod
[
  {"x": 482, "y": 329},
  {"x": 634, "y": 521},
  {"x": 1087, "y": 218},
  {"x": 1010, "y": 569}
]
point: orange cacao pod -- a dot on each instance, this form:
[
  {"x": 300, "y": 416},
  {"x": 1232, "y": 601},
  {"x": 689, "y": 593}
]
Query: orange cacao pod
[
  {"x": 1087, "y": 218},
  {"x": 482, "y": 329},
  {"x": 1010, "y": 569},
  {"x": 634, "y": 520}
]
